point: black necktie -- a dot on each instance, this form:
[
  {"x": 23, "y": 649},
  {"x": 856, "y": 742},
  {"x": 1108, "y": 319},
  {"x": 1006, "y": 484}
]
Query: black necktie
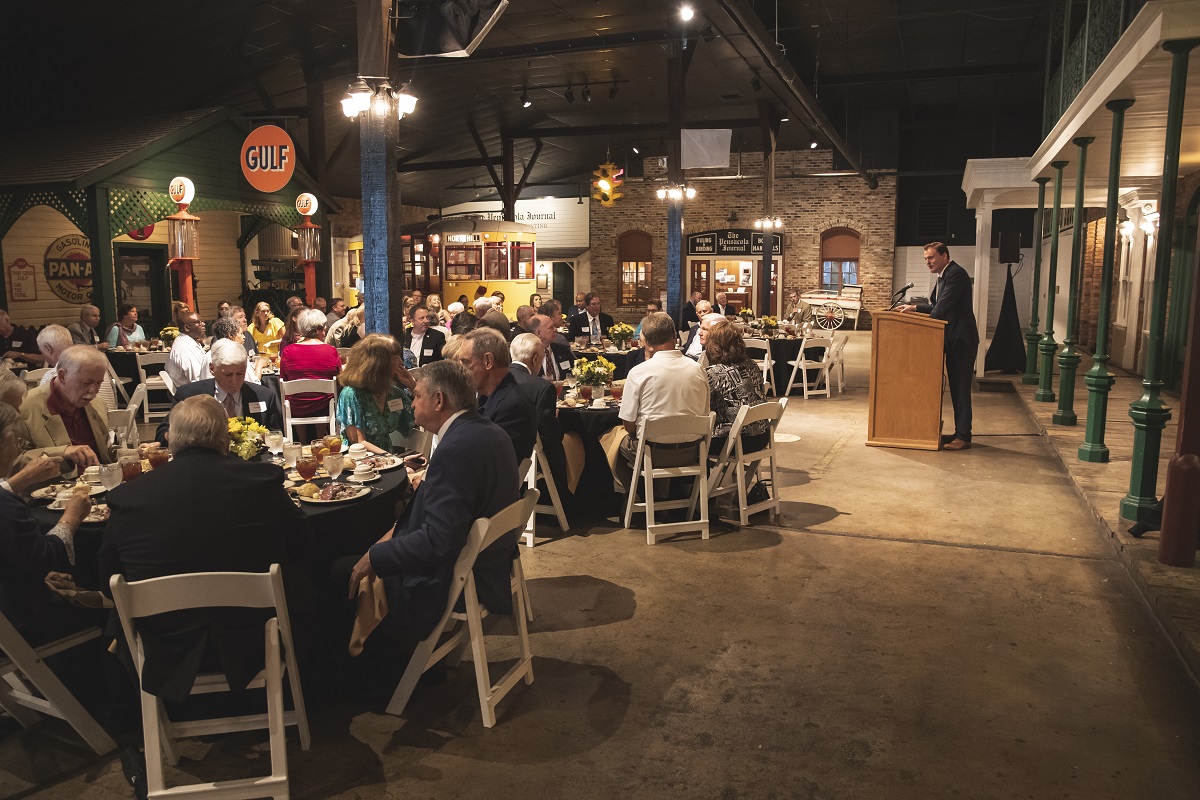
[{"x": 937, "y": 285}]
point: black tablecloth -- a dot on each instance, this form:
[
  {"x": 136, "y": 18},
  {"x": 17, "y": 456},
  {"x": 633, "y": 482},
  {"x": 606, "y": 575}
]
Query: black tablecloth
[
  {"x": 620, "y": 359},
  {"x": 594, "y": 497},
  {"x": 785, "y": 350}
]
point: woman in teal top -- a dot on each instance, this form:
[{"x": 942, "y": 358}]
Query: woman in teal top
[{"x": 376, "y": 396}]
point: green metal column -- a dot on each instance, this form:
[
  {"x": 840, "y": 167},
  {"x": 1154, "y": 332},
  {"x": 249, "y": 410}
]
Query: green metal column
[
  {"x": 1068, "y": 357},
  {"x": 99, "y": 232},
  {"x": 1149, "y": 413},
  {"x": 1031, "y": 336},
  {"x": 1098, "y": 379},
  {"x": 1045, "y": 392}
]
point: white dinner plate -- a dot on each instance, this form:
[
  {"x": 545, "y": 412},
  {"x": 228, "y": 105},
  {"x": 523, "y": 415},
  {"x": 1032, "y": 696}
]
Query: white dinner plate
[
  {"x": 374, "y": 476},
  {"x": 295, "y": 476},
  {"x": 363, "y": 492},
  {"x": 383, "y": 466},
  {"x": 48, "y": 492},
  {"x": 99, "y": 512}
]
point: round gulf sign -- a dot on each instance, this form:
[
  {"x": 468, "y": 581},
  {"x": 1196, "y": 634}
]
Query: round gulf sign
[
  {"x": 182, "y": 190},
  {"x": 268, "y": 158},
  {"x": 306, "y": 204}
]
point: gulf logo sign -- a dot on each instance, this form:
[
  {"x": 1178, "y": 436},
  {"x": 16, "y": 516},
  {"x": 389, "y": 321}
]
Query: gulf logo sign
[{"x": 268, "y": 158}]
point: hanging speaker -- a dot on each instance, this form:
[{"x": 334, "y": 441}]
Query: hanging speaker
[
  {"x": 447, "y": 28},
  {"x": 1010, "y": 247}
]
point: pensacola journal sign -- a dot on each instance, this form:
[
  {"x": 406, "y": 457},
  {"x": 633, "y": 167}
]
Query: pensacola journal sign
[{"x": 731, "y": 242}]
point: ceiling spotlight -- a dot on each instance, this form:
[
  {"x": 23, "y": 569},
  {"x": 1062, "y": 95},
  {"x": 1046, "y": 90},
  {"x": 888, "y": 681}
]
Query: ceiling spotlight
[
  {"x": 525, "y": 101},
  {"x": 587, "y": 93},
  {"x": 785, "y": 119},
  {"x": 636, "y": 151},
  {"x": 706, "y": 32},
  {"x": 612, "y": 93},
  {"x": 686, "y": 13},
  {"x": 813, "y": 146},
  {"x": 569, "y": 94}
]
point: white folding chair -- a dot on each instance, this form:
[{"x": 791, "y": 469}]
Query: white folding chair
[
  {"x": 153, "y": 381},
  {"x": 116, "y": 386},
  {"x": 210, "y": 590},
  {"x": 759, "y": 351},
  {"x": 33, "y": 377},
  {"x": 540, "y": 468},
  {"x": 693, "y": 428},
  {"x": 802, "y": 365},
  {"x": 30, "y": 688},
  {"x": 483, "y": 533},
  {"x": 735, "y": 467},
  {"x": 418, "y": 440},
  {"x": 317, "y": 386},
  {"x": 168, "y": 381},
  {"x": 837, "y": 361}
]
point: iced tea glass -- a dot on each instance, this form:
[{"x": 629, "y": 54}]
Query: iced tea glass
[
  {"x": 131, "y": 467},
  {"x": 307, "y": 467},
  {"x": 585, "y": 392}
]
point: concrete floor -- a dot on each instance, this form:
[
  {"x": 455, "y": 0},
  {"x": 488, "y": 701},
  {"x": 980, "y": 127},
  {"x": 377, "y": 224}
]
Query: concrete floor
[{"x": 920, "y": 625}]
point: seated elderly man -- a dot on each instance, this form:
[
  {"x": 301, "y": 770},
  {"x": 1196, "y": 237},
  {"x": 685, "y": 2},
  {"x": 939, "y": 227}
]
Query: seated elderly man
[
  {"x": 557, "y": 358},
  {"x": 228, "y": 328},
  {"x": 227, "y": 363},
  {"x": 472, "y": 474},
  {"x": 487, "y": 315},
  {"x": 17, "y": 344},
  {"x": 187, "y": 362},
  {"x": 64, "y": 417},
  {"x": 527, "y": 356},
  {"x": 694, "y": 349},
  {"x": 204, "y": 511},
  {"x": 52, "y": 341},
  {"x": 665, "y": 385},
  {"x": 485, "y": 355},
  {"x": 85, "y": 330}
]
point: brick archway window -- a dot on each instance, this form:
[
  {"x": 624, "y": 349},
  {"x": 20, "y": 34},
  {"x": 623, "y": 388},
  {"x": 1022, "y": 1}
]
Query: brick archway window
[
  {"x": 840, "y": 249},
  {"x": 635, "y": 254}
]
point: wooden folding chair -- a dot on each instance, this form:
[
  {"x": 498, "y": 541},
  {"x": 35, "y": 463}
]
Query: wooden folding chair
[
  {"x": 735, "y": 467},
  {"x": 759, "y": 351},
  {"x": 803, "y": 364},
  {"x": 314, "y": 385},
  {"x": 210, "y": 590},
  {"x": 429, "y": 652},
  {"x": 30, "y": 688},
  {"x": 693, "y": 428},
  {"x": 540, "y": 468}
]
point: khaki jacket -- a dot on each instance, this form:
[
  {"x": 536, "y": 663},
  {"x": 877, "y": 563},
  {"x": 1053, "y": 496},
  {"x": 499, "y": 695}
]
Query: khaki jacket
[{"x": 49, "y": 435}]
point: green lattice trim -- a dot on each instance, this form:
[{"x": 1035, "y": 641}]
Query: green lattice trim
[
  {"x": 136, "y": 208},
  {"x": 71, "y": 204}
]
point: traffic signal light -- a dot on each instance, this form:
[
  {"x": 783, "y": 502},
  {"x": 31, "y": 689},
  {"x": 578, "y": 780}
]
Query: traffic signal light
[{"x": 607, "y": 185}]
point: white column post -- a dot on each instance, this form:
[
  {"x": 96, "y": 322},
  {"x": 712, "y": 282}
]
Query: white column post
[{"x": 983, "y": 270}]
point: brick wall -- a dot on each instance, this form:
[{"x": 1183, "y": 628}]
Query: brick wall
[{"x": 807, "y": 205}]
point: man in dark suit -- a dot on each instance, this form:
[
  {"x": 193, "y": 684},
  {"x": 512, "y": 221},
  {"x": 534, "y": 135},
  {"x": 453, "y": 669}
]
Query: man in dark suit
[
  {"x": 592, "y": 322},
  {"x": 205, "y": 511},
  {"x": 558, "y": 358},
  {"x": 472, "y": 474},
  {"x": 424, "y": 342},
  {"x": 690, "y": 316},
  {"x": 527, "y": 355},
  {"x": 227, "y": 362},
  {"x": 485, "y": 355},
  {"x": 951, "y": 300}
]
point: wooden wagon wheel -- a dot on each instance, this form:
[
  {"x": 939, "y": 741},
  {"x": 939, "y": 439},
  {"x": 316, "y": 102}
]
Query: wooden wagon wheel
[{"x": 830, "y": 316}]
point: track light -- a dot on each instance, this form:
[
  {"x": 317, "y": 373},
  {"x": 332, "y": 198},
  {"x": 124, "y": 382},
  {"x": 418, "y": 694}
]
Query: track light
[
  {"x": 612, "y": 93},
  {"x": 813, "y": 145},
  {"x": 569, "y": 94},
  {"x": 525, "y": 101},
  {"x": 686, "y": 13},
  {"x": 636, "y": 151},
  {"x": 587, "y": 93},
  {"x": 706, "y": 32}
]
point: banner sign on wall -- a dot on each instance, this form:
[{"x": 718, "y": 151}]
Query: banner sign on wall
[
  {"x": 23, "y": 277},
  {"x": 742, "y": 242},
  {"x": 68, "y": 268}
]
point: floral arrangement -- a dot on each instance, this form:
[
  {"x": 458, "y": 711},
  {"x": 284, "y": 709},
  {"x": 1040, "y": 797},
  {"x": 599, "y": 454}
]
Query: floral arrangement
[
  {"x": 245, "y": 437},
  {"x": 746, "y": 314},
  {"x": 770, "y": 322},
  {"x": 595, "y": 372},
  {"x": 168, "y": 335},
  {"x": 620, "y": 332}
]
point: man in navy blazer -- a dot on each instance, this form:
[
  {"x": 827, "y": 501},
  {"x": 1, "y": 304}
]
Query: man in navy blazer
[
  {"x": 485, "y": 354},
  {"x": 227, "y": 362},
  {"x": 582, "y": 324},
  {"x": 951, "y": 300},
  {"x": 527, "y": 353},
  {"x": 472, "y": 474}
]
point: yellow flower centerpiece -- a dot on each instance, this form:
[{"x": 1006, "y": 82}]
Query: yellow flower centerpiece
[
  {"x": 747, "y": 314},
  {"x": 168, "y": 335},
  {"x": 596, "y": 372},
  {"x": 770, "y": 324},
  {"x": 245, "y": 437},
  {"x": 621, "y": 333}
]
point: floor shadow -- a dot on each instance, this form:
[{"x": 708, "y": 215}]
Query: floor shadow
[
  {"x": 790, "y": 476},
  {"x": 42, "y": 754},
  {"x": 795, "y": 514},
  {"x": 727, "y": 539},
  {"x": 574, "y": 602}
]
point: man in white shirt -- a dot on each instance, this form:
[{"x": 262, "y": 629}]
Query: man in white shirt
[
  {"x": 722, "y": 306},
  {"x": 664, "y": 385},
  {"x": 52, "y": 341},
  {"x": 188, "y": 362},
  {"x": 423, "y": 342}
]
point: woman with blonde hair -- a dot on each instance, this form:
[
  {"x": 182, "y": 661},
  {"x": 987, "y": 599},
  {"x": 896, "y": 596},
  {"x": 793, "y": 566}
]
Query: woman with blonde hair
[
  {"x": 375, "y": 399},
  {"x": 434, "y": 304},
  {"x": 266, "y": 330}
]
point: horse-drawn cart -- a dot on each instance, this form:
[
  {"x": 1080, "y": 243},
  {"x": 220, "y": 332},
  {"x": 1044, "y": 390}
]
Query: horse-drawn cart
[{"x": 830, "y": 308}]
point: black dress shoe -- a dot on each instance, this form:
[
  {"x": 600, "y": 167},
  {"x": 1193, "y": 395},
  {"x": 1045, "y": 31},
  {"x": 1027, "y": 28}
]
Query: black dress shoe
[{"x": 133, "y": 764}]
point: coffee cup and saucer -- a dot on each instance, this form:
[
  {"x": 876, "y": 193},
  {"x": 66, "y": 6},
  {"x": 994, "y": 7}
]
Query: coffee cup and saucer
[
  {"x": 92, "y": 475},
  {"x": 363, "y": 473},
  {"x": 357, "y": 451}
]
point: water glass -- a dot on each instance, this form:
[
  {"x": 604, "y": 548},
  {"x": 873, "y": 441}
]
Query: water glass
[
  {"x": 291, "y": 452},
  {"x": 274, "y": 442},
  {"x": 110, "y": 475},
  {"x": 334, "y": 464}
]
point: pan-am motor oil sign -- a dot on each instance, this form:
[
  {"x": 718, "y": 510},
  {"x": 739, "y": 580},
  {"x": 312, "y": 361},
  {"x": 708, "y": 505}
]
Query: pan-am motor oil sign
[{"x": 68, "y": 266}]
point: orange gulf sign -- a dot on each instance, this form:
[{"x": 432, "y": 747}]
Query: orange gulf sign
[{"x": 268, "y": 158}]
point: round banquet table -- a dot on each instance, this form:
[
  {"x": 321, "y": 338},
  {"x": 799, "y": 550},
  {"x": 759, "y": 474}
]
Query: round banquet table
[
  {"x": 784, "y": 350},
  {"x": 594, "y": 497},
  {"x": 339, "y": 529}
]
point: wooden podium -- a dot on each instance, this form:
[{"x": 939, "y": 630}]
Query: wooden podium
[{"x": 907, "y": 355}]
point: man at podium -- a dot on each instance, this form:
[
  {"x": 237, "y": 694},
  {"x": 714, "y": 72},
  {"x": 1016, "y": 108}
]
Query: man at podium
[{"x": 950, "y": 300}]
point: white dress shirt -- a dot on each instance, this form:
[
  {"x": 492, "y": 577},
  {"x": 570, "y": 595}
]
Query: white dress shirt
[
  {"x": 187, "y": 362},
  {"x": 414, "y": 347},
  {"x": 666, "y": 385}
]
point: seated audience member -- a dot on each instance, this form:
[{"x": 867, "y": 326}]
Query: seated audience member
[
  {"x": 238, "y": 315},
  {"x": 375, "y": 400},
  {"x": 266, "y": 328},
  {"x": 27, "y": 554},
  {"x": 17, "y": 344},
  {"x": 125, "y": 331},
  {"x": 64, "y": 416},
  {"x": 485, "y": 355},
  {"x": 320, "y": 305},
  {"x": 553, "y": 309},
  {"x": 721, "y": 306},
  {"x": 796, "y": 310},
  {"x": 85, "y": 330},
  {"x": 309, "y": 359},
  {"x": 557, "y": 358},
  {"x": 527, "y": 353},
  {"x": 472, "y": 474},
  {"x": 228, "y": 328},
  {"x": 592, "y": 323},
  {"x": 294, "y": 302},
  {"x": 204, "y": 511},
  {"x": 579, "y": 307},
  {"x": 187, "y": 361},
  {"x": 651, "y": 307},
  {"x": 224, "y": 309},
  {"x": 12, "y": 389},
  {"x": 424, "y": 342},
  {"x": 337, "y": 310},
  {"x": 178, "y": 309},
  {"x": 733, "y": 381},
  {"x": 535, "y": 302},
  {"x": 691, "y": 348},
  {"x": 460, "y": 321},
  {"x": 52, "y": 341},
  {"x": 434, "y": 304},
  {"x": 522, "y": 323},
  {"x": 694, "y": 349},
  {"x": 665, "y": 385},
  {"x": 291, "y": 333},
  {"x": 487, "y": 315},
  {"x": 227, "y": 363},
  {"x": 690, "y": 318}
]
